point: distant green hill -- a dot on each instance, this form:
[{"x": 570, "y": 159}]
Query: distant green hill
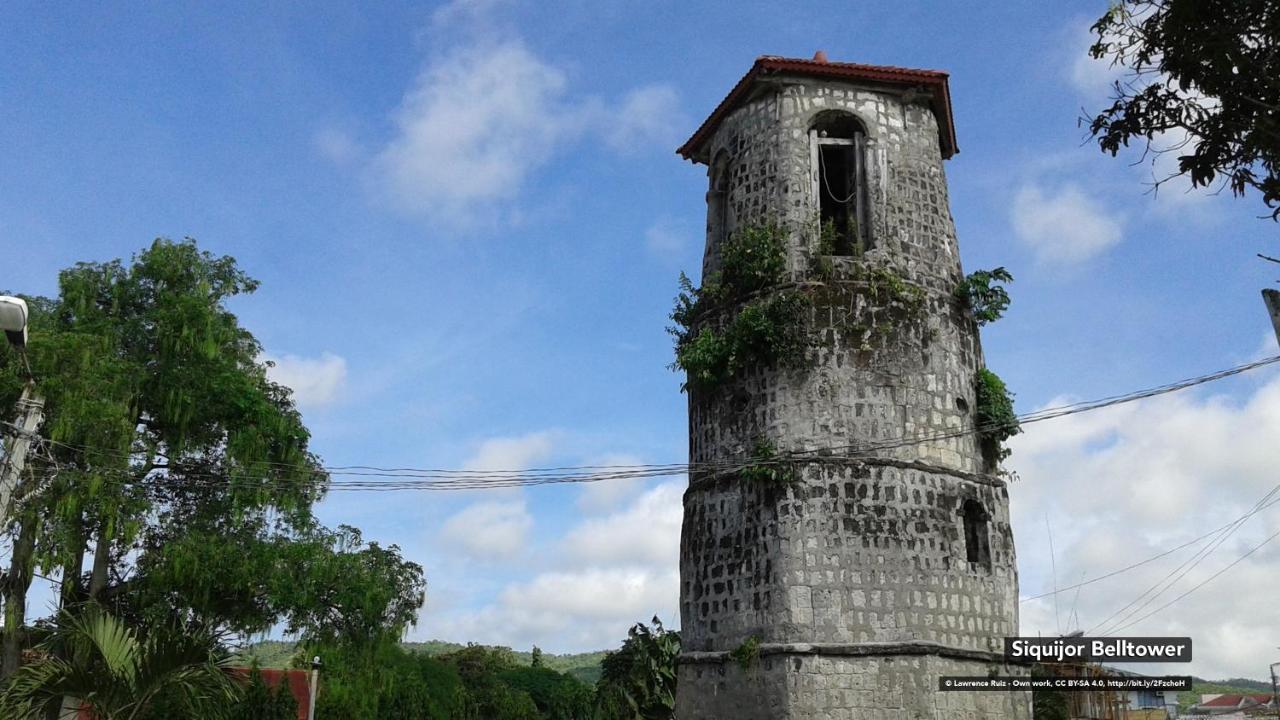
[{"x": 583, "y": 666}]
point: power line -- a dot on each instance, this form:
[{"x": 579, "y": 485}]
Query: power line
[
  {"x": 1151, "y": 559},
  {"x": 1204, "y": 582},
  {"x": 410, "y": 478},
  {"x": 1173, "y": 576}
]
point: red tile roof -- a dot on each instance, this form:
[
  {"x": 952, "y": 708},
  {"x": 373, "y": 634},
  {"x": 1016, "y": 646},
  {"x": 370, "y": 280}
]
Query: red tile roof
[
  {"x": 1231, "y": 701},
  {"x": 272, "y": 677},
  {"x": 934, "y": 81}
]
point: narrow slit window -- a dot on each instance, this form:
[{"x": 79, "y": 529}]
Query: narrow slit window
[
  {"x": 718, "y": 203},
  {"x": 977, "y": 544},
  {"x": 839, "y": 155}
]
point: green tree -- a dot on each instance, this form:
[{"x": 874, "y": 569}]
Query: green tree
[
  {"x": 180, "y": 468},
  {"x": 638, "y": 681},
  {"x": 556, "y": 695},
  {"x": 119, "y": 674},
  {"x": 387, "y": 683},
  {"x": 1203, "y": 70}
]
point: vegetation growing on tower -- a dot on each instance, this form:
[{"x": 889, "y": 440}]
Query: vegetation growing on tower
[
  {"x": 982, "y": 294},
  {"x": 764, "y": 330}
]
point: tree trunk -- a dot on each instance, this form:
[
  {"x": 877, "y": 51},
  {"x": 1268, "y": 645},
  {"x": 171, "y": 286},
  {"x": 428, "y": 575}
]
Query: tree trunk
[
  {"x": 71, "y": 591},
  {"x": 101, "y": 562},
  {"x": 16, "y": 583}
]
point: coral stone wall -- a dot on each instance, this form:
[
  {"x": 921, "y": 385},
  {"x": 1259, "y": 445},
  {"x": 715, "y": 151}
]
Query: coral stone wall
[{"x": 865, "y": 550}]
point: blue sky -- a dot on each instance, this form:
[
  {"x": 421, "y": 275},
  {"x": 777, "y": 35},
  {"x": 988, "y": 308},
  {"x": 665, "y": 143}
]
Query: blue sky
[{"x": 468, "y": 220}]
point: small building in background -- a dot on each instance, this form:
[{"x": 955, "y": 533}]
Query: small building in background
[{"x": 1235, "y": 707}]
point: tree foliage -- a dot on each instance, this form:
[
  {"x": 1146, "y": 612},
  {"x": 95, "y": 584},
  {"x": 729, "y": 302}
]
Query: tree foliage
[
  {"x": 995, "y": 417},
  {"x": 638, "y": 682},
  {"x": 983, "y": 294},
  {"x": 180, "y": 470},
  {"x": 1202, "y": 72},
  {"x": 118, "y": 673}
]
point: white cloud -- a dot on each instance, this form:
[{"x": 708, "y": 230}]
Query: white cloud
[
  {"x": 1126, "y": 483},
  {"x": 1092, "y": 79},
  {"x": 315, "y": 382},
  {"x": 1065, "y": 227},
  {"x": 646, "y": 533},
  {"x": 667, "y": 238},
  {"x": 645, "y": 117},
  {"x": 573, "y": 611},
  {"x": 475, "y": 124},
  {"x": 498, "y": 530},
  {"x": 612, "y": 572},
  {"x": 485, "y": 114},
  {"x": 512, "y": 453},
  {"x": 490, "y": 530}
]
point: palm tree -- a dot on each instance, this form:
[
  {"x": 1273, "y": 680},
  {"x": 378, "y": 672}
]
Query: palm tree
[{"x": 119, "y": 674}]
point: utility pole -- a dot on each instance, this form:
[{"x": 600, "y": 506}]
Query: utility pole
[
  {"x": 315, "y": 684},
  {"x": 1271, "y": 298},
  {"x": 13, "y": 321},
  {"x": 30, "y": 415},
  {"x": 1275, "y": 695}
]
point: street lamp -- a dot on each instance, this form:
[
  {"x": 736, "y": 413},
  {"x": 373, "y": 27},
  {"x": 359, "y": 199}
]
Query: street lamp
[{"x": 13, "y": 320}]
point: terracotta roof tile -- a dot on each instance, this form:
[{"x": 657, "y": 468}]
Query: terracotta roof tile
[{"x": 766, "y": 65}]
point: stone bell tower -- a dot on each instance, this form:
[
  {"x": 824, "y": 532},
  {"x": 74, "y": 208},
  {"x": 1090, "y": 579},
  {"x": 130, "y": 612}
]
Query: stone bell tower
[{"x": 886, "y": 560}]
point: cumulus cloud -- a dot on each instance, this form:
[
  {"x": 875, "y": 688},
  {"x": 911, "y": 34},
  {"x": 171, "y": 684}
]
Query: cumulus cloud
[
  {"x": 611, "y": 572},
  {"x": 644, "y": 117},
  {"x": 646, "y": 533},
  {"x": 1092, "y": 79},
  {"x": 476, "y": 122},
  {"x": 498, "y": 530},
  {"x": 1063, "y": 227},
  {"x": 490, "y": 530},
  {"x": 574, "y": 611},
  {"x": 512, "y": 453},
  {"x": 1130, "y": 482},
  {"x": 315, "y": 381},
  {"x": 485, "y": 114}
]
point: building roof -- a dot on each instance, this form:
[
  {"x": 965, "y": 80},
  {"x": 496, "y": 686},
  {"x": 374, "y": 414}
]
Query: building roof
[
  {"x": 767, "y": 66},
  {"x": 299, "y": 686},
  {"x": 1236, "y": 701}
]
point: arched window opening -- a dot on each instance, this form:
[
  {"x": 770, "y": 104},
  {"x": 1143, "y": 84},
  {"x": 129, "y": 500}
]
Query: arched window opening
[
  {"x": 718, "y": 203},
  {"x": 838, "y": 145},
  {"x": 977, "y": 544}
]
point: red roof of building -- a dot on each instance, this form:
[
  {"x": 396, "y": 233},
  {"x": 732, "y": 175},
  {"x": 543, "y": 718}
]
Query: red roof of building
[
  {"x": 1233, "y": 701},
  {"x": 765, "y": 66},
  {"x": 297, "y": 680}
]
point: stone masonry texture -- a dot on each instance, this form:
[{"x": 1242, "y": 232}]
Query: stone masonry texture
[{"x": 853, "y": 578}]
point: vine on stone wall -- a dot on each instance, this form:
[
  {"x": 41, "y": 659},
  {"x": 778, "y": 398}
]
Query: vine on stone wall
[
  {"x": 996, "y": 421},
  {"x": 982, "y": 294},
  {"x": 766, "y": 468},
  {"x": 767, "y": 330},
  {"x": 894, "y": 302},
  {"x": 747, "y": 654}
]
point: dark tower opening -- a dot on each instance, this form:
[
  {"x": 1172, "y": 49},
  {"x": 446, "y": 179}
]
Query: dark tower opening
[
  {"x": 718, "y": 204},
  {"x": 977, "y": 543},
  {"x": 839, "y": 142}
]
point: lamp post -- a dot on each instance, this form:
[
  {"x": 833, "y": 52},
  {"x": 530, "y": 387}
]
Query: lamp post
[
  {"x": 315, "y": 684},
  {"x": 13, "y": 321}
]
